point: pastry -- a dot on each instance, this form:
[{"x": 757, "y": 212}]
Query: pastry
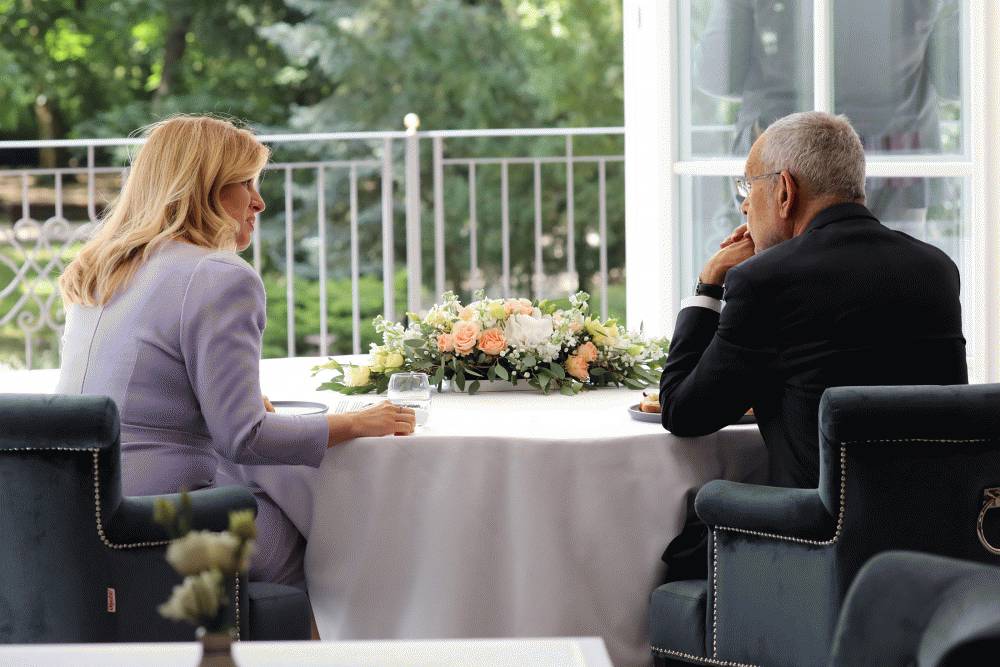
[{"x": 650, "y": 402}]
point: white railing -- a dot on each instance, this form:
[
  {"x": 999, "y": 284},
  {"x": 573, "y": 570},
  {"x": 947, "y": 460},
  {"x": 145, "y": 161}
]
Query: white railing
[{"x": 34, "y": 251}]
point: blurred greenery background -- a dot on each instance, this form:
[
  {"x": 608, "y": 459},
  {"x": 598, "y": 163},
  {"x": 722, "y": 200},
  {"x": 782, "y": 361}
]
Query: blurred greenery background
[{"x": 83, "y": 69}]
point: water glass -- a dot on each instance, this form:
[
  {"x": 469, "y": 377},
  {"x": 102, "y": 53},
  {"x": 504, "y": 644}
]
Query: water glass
[{"x": 411, "y": 390}]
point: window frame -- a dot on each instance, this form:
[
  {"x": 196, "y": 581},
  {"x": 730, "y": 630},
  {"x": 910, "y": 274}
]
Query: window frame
[{"x": 656, "y": 51}]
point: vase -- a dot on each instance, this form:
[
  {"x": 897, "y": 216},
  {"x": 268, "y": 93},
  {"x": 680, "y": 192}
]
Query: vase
[
  {"x": 487, "y": 386},
  {"x": 215, "y": 648}
]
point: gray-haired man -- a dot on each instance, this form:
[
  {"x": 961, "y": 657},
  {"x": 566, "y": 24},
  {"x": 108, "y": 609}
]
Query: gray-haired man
[{"x": 818, "y": 293}]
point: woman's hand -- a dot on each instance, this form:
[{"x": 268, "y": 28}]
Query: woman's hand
[
  {"x": 384, "y": 419},
  {"x": 381, "y": 419}
]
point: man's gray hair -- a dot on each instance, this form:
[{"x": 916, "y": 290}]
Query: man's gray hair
[{"x": 821, "y": 151}]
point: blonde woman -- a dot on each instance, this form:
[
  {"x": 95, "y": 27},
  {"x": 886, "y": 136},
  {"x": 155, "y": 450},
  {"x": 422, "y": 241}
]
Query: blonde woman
[{"x": 164, "y": 317}]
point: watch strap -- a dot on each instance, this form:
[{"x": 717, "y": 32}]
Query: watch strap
[{"x": 708, "y": 289}]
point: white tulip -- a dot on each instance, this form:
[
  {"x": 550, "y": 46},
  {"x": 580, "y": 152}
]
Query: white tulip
[
  {"x": 202, "y": 550},
  {"x": 196, "y": 599}
]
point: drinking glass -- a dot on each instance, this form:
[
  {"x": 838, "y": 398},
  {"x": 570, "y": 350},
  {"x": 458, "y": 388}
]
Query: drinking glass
[{"x": 411, "y": 390}]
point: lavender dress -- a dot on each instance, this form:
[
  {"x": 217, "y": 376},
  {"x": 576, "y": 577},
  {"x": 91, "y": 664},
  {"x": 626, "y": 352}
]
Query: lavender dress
[{"x": 178, "y": 350}]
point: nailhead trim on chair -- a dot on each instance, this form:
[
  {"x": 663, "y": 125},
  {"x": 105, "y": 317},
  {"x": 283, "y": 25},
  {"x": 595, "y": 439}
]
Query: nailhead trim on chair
[
  {"x": 236, "y": 594},
  {"x": 100, "y": 525},
  {"x": 700, "y": 660},
  {"x": 799, "y": 540}
]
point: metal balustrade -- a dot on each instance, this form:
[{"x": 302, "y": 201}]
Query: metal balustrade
[{"x": 34, "y": 252}]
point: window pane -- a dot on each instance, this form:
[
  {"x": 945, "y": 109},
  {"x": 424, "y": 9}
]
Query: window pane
[
  {"x": 929, "y": 209},
  {"x": 709, "y": 214},
  {"x": 897, "y": 73},
  {"x": 748, "y": 64}
]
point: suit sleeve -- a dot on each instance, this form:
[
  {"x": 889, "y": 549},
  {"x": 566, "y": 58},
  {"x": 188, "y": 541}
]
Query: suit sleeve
[
  {"x": 222, "y": 324},
  {"x": 717, "y": 362}
]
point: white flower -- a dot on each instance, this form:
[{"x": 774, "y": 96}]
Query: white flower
[
  {"x": 196, "y": 599},
  {"x": 357, "y": 376},
  {"x": 528, "y": 331},
  {"x": 202, "y": 550}
]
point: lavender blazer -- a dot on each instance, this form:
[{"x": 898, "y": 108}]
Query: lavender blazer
[{"x": 178, "y": 350}]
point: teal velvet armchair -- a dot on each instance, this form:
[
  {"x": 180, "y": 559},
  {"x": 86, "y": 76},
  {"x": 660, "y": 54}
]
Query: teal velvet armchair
[
  {"x": 81, "y": 563},
  {"x": 912, "y": 609},
  {"x": 900, "y": 468}
]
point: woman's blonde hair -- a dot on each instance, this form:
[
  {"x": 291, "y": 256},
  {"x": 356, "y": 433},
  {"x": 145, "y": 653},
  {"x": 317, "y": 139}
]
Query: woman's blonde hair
[{"x": 172, "y": 192}]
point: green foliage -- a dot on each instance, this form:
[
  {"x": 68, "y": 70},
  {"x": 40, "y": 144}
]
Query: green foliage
[
  {"x": 72, "y": 68},
  {"x": 509, "y": 63},
  {"x": 339, "y": 318}
]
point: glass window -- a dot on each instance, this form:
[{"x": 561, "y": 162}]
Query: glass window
[
  {"x": 897, "y": 73},
  {"x": 745, "y": 64},
  {"x": 711, "y": 216},
  {"x": 929, "y": 209}
]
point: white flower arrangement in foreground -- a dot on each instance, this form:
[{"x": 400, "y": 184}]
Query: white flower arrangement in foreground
[
  {"x": 209, "y": 562},
  {"x": 551, "y": 348}
]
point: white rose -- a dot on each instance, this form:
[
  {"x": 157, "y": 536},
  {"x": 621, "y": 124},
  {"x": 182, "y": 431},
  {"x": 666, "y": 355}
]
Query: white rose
[
  {"x": 357, "y": 376},
  {"x": 528, "y": 331},
  {"x": 196, "y": 599},
  {"x": 202, "y": 550}
]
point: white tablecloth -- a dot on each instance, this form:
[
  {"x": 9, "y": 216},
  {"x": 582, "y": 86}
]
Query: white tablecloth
[{"x": 507, "y": 515}]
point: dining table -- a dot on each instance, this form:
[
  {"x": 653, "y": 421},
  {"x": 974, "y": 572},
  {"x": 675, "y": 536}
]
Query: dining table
[{"x": 507, "y": 514}]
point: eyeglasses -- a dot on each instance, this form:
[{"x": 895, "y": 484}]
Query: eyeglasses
[{"x": 744, "y": 183}]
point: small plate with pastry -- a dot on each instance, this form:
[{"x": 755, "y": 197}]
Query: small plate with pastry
[{"x": 648, "y": 410}]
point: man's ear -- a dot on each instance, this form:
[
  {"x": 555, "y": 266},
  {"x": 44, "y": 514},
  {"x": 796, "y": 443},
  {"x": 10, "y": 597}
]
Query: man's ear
[{"x": 787, "y": 194}]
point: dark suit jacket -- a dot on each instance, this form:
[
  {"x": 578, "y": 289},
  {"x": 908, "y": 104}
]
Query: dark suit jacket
[{"x": 848, "y": 302}]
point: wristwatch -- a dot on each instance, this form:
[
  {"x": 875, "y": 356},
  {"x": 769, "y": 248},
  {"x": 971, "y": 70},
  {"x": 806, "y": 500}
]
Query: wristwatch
[{"x": 708, "y": 289}]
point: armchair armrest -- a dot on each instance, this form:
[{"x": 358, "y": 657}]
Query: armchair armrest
[
  {"x": 767, "y": 509},
  {"x": 55, "y": 421},
  {"x": 210, "y": 508}
]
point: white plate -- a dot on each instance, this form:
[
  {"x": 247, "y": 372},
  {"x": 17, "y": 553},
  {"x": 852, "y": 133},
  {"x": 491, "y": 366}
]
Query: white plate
[
  {"x": 635, "y": 413},
  {"x": 298, "y": 408}
]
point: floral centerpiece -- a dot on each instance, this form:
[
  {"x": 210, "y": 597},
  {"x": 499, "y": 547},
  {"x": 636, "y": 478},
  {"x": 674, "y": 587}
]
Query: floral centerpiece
[
  {"x": 505, "y": 340},
  {"x": 209, "y": 562}
]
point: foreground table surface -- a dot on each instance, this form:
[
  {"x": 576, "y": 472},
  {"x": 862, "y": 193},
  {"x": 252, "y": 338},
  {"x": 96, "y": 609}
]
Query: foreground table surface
[{"x": 557, "y": 652}]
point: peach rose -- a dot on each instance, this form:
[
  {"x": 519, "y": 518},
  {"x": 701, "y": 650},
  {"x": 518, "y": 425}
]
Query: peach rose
[
  {"x": 517, "y": 307},
  {"x": 587, "y": 352},
  {"x": 577, "y": 367},
  {"x": 446, "y": 343},
  {"x": 492, "y": 342},
  {"x": 464, "y": 335},
  {"x": 465, "y": 314}
]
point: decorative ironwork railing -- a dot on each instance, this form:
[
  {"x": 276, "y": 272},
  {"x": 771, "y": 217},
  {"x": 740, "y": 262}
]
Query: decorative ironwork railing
[{"x": 521, "y": 211}]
